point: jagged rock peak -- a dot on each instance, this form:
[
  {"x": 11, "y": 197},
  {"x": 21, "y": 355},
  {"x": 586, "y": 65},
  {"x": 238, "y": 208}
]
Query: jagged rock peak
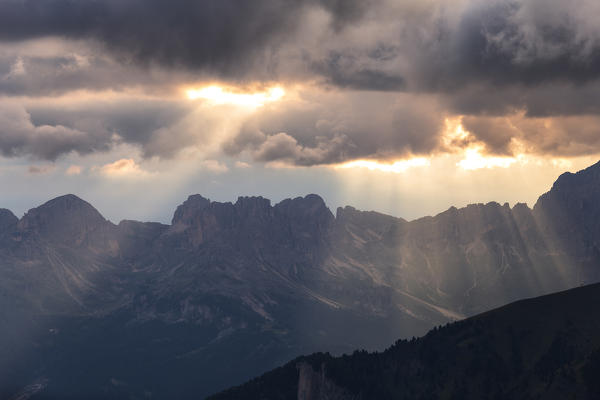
[
  {"x": 348, "y": 213},
  {"x": 67, "y": 202},
  {"x": 521, "y": 207},
  {"x": 312, "y": 203},
  {"x": 7, "y": 219},
  {"x": 192, "y": 206},
  {"x": 568, "y": 179},
  {"x": 62, "y": 210},
  {"x": 342, "y": 212},
  {"x": 571, "y": 188},
  {"x": 252, "y": 204},
  {"x": 307, "y": 214},
  {"x": 65, "y": 218}
]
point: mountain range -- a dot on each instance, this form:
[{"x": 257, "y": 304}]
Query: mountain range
[{"x": 230, "y": 290}]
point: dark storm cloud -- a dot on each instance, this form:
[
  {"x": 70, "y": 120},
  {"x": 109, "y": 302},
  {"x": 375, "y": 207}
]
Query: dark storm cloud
[
  {"x": 47, "y": 76},
  {"x": 389, "y": 71},
  {"x": 552, "y": 99},
  {"x": 334, "y": 128},
  {"x": 230, "y": 38},
  {"x": 133, "y": 120},
  {"x": 347, "y": 71},
  {"x": 440, "y": 45},
  {"x": 47, "y": 131},
  {"x": 19, "y": 136},
  {"x": 53, "y": 67},
  {"x": 348, "y": 11},
  {"x": 558, "y": 136},
  {"x": 206, "y": 33},
  {"x": 500, "y": 42}
]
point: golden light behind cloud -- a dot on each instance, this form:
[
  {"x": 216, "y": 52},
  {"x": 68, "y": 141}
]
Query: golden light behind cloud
[
  {"x": 73, "y": 170},
  {"x": 125, "y": 167},
  {"x": 474, "y": 159},
  {"x": 396, "y": 166},
  {"x": 224, "y": 95},
  {"x": 473, "y": 154}
]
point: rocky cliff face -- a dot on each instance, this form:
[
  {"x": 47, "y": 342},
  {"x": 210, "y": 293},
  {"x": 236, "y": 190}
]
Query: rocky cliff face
[
  {"x": 68, "y": 221},
  {"x": 8, "y": 220},
  {"x": 63, "y": 218},
  {"x": 570, "y": 213},
  {"x": 315, "y": 385},
  {"x": 236, "y": 288}
]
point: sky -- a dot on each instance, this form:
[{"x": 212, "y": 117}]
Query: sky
[{"x": 403, "y": 107}]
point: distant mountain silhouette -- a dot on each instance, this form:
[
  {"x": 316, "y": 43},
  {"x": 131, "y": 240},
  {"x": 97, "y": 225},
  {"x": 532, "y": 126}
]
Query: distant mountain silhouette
[
  {"x": 543, "y": 348},
  {"x": 230, "y": 290}
]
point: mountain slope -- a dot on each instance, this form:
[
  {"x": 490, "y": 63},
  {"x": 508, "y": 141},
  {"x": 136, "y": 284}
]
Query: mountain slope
[
  {"x": 547, "y": 347},
  {"x": 230, "y": 290}
]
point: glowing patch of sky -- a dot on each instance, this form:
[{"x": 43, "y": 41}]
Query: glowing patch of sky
[{"x": 220, "y": 95}]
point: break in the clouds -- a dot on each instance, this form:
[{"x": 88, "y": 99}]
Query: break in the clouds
[{"x": 375, "y": 79}]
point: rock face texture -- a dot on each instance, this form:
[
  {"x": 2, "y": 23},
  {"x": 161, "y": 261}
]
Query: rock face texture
[
  {"x": 230, "y": 290},
  {"x": 8, "y": 220},
  {"x": 315, "y": 385}
]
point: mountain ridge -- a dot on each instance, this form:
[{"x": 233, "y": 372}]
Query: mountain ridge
[
  {"x": 235, "y": 289},
  {"x": 250, "y": 199},
  {"x": 518, "y": 351}
]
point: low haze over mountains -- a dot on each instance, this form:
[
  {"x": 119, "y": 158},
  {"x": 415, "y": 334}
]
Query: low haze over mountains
[{"x": 228, "y": 291}]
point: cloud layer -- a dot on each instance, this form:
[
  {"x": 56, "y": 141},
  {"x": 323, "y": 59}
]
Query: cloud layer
[{"x": 374, "y": 79}]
